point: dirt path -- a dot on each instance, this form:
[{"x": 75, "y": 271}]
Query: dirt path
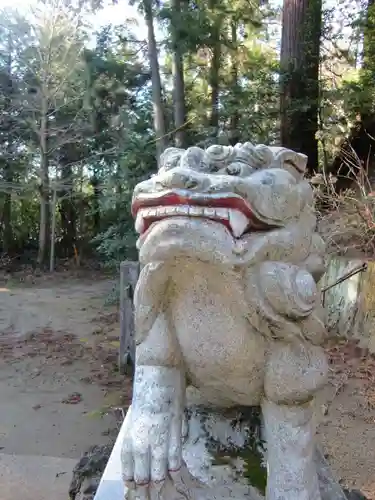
[
  {"x": 53, "y": 385},
  {"x": 64, "y": 306},
  {"x": 347, "y": 405}
]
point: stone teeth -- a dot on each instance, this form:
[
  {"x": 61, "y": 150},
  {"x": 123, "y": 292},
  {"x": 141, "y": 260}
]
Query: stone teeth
[
  {"x": 238, "y": 222},
  {"x": 160, "y": 211},
  {"x": 209, "y": 212},
  {"x": 170, "y": 210},
  {"x": 222, "y": 213},
  {"x": 183, "y": 210},
  {"x": 196, "y": 211}
]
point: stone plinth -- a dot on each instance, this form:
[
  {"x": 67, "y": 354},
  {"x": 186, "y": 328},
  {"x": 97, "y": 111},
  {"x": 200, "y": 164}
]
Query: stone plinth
[{"x": 227, "y": 455}]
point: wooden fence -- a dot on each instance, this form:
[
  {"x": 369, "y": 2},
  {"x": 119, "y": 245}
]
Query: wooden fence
[{"x": 129, "y": 272}]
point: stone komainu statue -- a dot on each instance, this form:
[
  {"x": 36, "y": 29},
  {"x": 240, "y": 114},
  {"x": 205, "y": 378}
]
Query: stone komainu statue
[{"x": 227, "y": 303}]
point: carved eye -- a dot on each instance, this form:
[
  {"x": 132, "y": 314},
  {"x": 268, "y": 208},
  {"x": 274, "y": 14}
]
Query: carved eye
[
  {"x": 268, "y": 179},
  {"x": 233, "y": 170},
  {"x": 191, "y": 183}
]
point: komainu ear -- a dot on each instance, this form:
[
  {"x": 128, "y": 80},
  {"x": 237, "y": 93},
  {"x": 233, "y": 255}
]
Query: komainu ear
[{"x": 294, "y": 163}]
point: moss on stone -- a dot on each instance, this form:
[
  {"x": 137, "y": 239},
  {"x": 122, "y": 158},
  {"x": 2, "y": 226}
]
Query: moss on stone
[{"x": 254, "y": 470}]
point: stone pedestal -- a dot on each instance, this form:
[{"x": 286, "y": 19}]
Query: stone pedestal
[
  {"x": 228, "y": 456},
  {"x": 225, "y": 452}
]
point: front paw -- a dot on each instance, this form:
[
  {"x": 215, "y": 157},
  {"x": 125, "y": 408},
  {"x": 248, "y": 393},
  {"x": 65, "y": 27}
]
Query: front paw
[
  {"x": 152, "y": 464},
  {"x": 152, "y": 447}
]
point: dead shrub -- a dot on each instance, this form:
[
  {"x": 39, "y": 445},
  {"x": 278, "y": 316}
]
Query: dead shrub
[{"x": 346, "y": 220}]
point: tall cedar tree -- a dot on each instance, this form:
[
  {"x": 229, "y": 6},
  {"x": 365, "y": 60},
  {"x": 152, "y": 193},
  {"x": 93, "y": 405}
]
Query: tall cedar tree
[{"x": 299, "y": 61}]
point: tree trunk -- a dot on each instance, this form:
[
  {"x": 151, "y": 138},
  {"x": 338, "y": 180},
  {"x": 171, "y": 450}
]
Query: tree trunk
[
  {"x": 96, "y": 203},
  {"x": 214, "y": 70},
  {"x": 68, "y": 213},
  {"x": 7, "y": 210},
  {"x": 356, "y": 151},
  {"x": 368, "y": 69},
  {"x": 299, "y": 61},
  {"x": 179, "y": 108},
  {"x": 7, "y": 168},
  {"x": 368, "y": 38},
  {"x": 81, "y": 218},
  {"x": 157, "y": 100},
  {"x": 44, "y": 186},
  {"x": 215, "y": 86},
  {"x": 234, "y": 134}
]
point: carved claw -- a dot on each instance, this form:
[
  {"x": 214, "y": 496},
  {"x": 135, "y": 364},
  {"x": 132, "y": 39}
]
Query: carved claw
[
  {"x": 185, "y": 427},
  {"x": 152, "y": 447}
]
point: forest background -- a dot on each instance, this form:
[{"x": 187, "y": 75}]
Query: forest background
[{"x": 92, "y": 93}]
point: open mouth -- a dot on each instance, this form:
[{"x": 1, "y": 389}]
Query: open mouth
[{"x": 232, "y": 211}]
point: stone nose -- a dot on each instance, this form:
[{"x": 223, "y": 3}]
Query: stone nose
[{"x": 180, "y": 179}]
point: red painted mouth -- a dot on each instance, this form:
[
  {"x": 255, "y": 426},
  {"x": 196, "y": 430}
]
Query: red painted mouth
[
  {"x": 174, "y": 199},
  {"x": 231, "y": 210}
]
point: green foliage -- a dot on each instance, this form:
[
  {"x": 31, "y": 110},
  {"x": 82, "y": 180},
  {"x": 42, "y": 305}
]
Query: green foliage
[{"x": 100, "y": 137}]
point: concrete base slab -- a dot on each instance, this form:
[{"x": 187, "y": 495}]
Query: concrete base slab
[{"x": 35, "y": 477}]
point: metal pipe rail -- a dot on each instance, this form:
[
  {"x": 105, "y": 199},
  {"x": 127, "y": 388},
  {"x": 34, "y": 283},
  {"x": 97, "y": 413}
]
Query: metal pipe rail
[{"x": 349, "y": 274}]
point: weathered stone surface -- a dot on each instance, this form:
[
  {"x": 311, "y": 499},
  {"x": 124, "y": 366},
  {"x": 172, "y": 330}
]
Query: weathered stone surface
[
  {"x": 330, "y": 489},
  {"x": 350, "y": 305},
  {"x": 226, "y": 302},
  {"x": 227, "y": 449},
  {"x": 226, "y": 453},
  {"x": 345, "y": 306}
]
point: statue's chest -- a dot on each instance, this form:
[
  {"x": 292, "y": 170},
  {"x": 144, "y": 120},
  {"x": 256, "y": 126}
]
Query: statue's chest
[{"x": 219, "y": 348}]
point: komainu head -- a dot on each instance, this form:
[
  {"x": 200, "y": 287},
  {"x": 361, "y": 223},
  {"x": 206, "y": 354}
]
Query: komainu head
[{"x": 238, "y": 205}]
